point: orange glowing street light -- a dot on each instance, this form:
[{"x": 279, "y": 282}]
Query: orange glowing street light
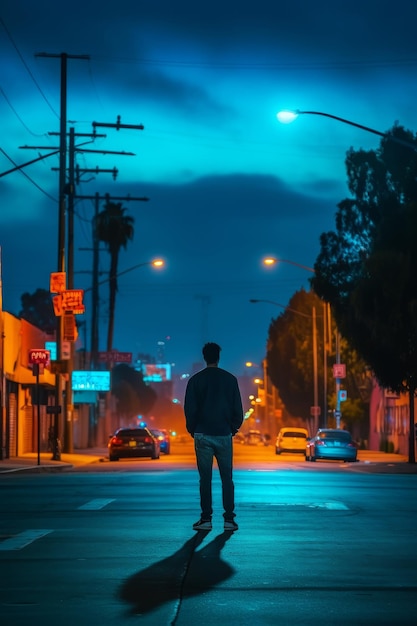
[{"x": 270, "y": 261}]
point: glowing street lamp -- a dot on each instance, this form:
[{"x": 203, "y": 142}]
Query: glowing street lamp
[
  {"x": 287, "y": 116},
  {"x": 157, "y": 263},
  {"x": 270, "y": 261}
]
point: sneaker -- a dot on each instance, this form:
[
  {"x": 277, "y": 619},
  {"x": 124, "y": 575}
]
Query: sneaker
[
  {"x": 202, "y": 524},
  {"x": 230, "y": 525}
]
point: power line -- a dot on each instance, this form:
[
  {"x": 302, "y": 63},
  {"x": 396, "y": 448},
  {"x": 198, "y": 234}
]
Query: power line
[
  {"x": 18, "y": 167},
  {"x": 18, "y": 116},
  {"x": 291, "y": 66},
  {"x": 27, "y": 68}
]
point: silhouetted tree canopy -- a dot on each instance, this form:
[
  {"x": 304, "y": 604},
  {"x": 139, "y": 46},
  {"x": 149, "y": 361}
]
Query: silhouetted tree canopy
[
  {"x": 291, "y": 366},
  {"x": 134, "y": 396},
  {"x": 290, "y": 353},
  {"x": 37, "y": 308},
  {"x": 367, "y": 266}
]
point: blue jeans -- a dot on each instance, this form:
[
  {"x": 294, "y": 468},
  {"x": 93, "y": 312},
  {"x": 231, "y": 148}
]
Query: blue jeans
[{"x": 219, "y": 447}]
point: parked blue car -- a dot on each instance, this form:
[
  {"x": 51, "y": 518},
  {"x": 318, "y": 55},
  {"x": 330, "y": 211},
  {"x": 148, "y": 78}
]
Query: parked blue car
[
  {"x": 331, "y": 444},
  {"x": 164, "y": 439}
]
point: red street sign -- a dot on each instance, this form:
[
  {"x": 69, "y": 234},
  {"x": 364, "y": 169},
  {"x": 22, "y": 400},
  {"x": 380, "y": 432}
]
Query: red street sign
[
  {"x": 339, "y": 370},
  {"x": 70, "y": 301},
  {"x": 39, "y": 356},
  {"x": 315, "y": 411}
]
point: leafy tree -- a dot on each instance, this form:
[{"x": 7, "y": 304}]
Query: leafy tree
[
  {"x": 291, "y": 369},
  {"x": 133, "y": 395},
  {"x": 37, "y": 308},
  {"x": 290, "y": 354},
  {"x": 115, "y": 229},
  {"x": 367, "y": 267}
]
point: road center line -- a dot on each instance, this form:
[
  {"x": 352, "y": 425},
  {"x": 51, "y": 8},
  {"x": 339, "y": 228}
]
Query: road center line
[
  {"x": 23, "y": 539},
  {"x": 95, "y": 505}
]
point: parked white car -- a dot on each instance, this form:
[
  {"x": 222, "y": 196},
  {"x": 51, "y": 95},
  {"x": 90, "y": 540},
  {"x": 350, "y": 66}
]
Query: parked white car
[{"x": 291, "y": 440}]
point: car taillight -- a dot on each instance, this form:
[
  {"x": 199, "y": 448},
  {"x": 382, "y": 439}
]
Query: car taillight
[
  {"x": 116, "y": 441},
  {"x": 148, "y": 440}
]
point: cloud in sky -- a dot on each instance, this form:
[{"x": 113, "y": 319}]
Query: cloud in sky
[{"x": 227, "y": 183}]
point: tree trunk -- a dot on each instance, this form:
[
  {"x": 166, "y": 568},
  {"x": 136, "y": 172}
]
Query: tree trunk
[
  {"x": 112, "y": 299},
  {"x": 411, "y": 445}
]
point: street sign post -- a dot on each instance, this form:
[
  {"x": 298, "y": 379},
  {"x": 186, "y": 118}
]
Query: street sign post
[{"x": 38, "y": 358}]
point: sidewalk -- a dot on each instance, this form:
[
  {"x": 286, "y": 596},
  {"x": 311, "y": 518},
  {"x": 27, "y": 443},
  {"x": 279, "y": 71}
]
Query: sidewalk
[
  {"x": 29, "y": 461},
  {"x": 383, "y": 463},
  {"x": 368, "y": 461}
]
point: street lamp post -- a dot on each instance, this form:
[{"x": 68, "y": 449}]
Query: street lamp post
[
  {"x": 157, "y": 263},
  {"x": 287, "y": 116},
  {"x": 271, "y": 261}
]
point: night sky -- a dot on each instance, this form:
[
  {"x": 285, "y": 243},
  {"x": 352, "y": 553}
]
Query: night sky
[{"x": 227, "y": 183}]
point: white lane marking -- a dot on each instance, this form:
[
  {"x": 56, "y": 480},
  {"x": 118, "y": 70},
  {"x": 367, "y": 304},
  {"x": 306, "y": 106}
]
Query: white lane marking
[
  {"x": 23, "y": 539},
  {"x": 95, "y": 505},
  {"x": 334, "y": 506},
  {"x": 331, "y": 506}
]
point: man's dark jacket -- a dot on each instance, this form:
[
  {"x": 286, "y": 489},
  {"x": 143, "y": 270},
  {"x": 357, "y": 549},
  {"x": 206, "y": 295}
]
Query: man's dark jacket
[{"x": 213, "y": 404}]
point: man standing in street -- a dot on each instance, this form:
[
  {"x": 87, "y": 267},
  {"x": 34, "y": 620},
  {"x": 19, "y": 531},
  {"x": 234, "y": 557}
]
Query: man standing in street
[{"x": 213, "y": 415}]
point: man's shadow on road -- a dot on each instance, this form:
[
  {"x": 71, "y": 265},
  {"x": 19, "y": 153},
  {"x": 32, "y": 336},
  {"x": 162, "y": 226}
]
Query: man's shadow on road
[{"x": 188, "y": 572}]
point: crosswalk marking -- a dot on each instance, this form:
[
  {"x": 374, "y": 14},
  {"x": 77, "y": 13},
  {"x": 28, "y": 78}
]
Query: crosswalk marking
[
  {"x": 95, "y": 505},
  {"x": 23, "y": 539}
]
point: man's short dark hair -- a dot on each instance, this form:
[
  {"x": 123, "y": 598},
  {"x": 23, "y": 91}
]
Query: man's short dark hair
[{"x": 211, "y": 353}]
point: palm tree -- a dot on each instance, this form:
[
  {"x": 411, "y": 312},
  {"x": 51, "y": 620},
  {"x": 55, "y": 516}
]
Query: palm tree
[{"x": 114, "y": 228}]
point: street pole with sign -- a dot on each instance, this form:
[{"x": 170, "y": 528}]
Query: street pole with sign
[{"x": 38, "y": 358}]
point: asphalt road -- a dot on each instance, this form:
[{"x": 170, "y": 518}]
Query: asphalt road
[{"x": 317, "y": 544}]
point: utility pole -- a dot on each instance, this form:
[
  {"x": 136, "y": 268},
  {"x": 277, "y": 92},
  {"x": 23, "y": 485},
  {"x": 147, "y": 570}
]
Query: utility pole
[
  {"x": 94, "y": 325},
  {"x": 64, "y": 397},
  {"x": 68, "y": 262},
  {"x": 118, "y": 125},
  {"x": 95, "y": 301},
  {"x": 61, "y": 231},
  {"x": 95, "y": 283}
]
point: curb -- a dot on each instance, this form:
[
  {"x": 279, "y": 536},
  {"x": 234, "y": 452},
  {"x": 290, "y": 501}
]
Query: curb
[{"x": 36, "y": 468}]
